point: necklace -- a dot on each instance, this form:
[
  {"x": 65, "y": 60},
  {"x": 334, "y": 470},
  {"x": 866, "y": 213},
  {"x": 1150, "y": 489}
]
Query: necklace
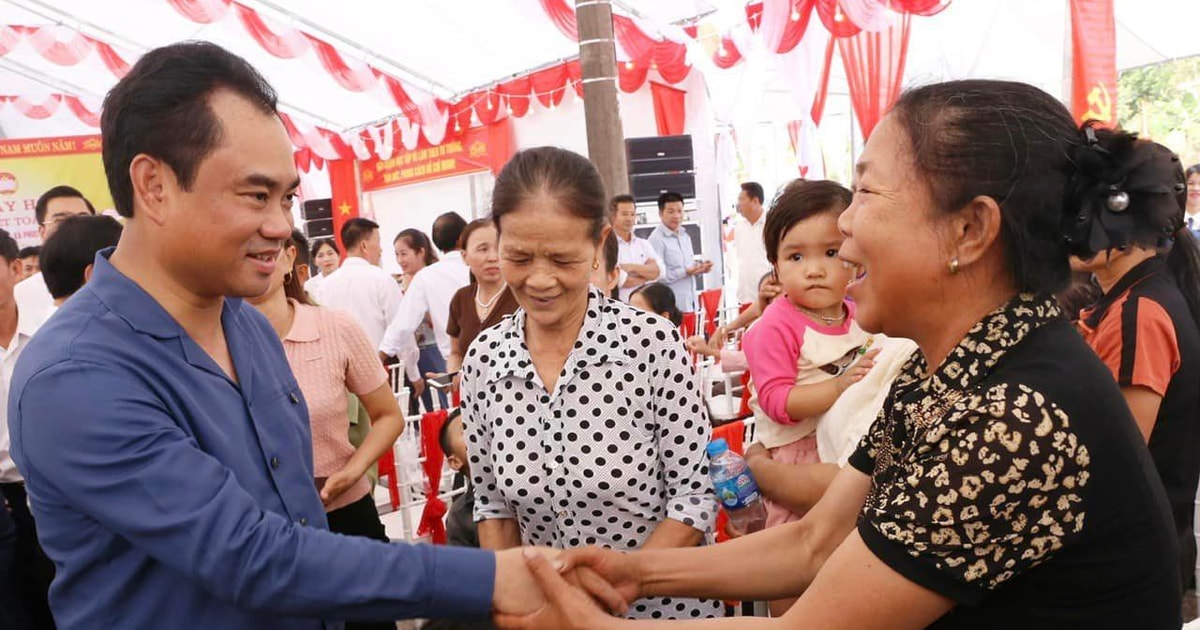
[
  {"x": 487, "y": 306},
  {"x": 828, "y": 321}
]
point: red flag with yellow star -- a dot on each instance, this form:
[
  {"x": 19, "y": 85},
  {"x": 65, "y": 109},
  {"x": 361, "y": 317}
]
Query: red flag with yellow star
[
  {"x": 344, "y": 186},
  {"x": 1094, "y": 61}
]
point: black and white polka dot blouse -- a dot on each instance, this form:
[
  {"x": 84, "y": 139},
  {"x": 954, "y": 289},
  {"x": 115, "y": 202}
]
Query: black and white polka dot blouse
[{"x": 614, "y": 450}]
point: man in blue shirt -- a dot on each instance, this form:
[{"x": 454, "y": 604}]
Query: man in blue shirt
[
  {"x": 674, "y": 247},
  {"x": 164, "y": 441}
]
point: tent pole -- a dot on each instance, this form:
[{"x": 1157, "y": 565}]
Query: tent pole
[{"x": 598, "y": 65}]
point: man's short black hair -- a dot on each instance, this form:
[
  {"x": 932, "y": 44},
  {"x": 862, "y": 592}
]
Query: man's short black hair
[
  {"x": 754, "y": 190},
  {"x": 26, "y": 252},
  {"x": 161, "y": 109},
  {"x": 667, "y": 198},
  {"x": 444, "y": 432},
  {"x": 9, "y": 250},
  {"x": 447, "y": 229},
  {"x": 58, "y": 192},
  {"x": 357, "y": 230},
  {"x": 618, "y": 200},
  {"x": 72, "y": 247}
]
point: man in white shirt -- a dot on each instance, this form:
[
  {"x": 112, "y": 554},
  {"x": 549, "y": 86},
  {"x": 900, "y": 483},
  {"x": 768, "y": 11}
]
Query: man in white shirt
[
  {"x": 635, "y": 256},
  {"x": 673, "y": 247},
  {"x": 33, "y": 570},
  {"x": 56, "y": 204},
  {"x": 748, "y": 249},
  {"x": 360, "y": 287},
  {"x": 430, "y": 291}
]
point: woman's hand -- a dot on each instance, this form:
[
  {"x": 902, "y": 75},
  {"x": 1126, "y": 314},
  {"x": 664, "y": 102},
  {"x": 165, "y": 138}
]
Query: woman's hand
[
  {"x": 567, "y": 607},
  {"x": 619, "y": 571},
  {"x": 856, "y": 372},
  {"x": 698, "y": 345},
  {"x": 768, "y": 291},
  {"x": 338, "y": 483}
]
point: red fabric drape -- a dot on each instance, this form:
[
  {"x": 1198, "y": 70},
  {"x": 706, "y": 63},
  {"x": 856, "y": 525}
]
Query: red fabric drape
[
  {"x": 202, "y": 11},
  {"x": 431, "y": 523},
  {"x": 356, "y": 78},
  {"x": 924, "y": 8},
  {"x": 285, "y": 43},
  {"x": 818, "y": 108},
  {"x": 575, "y": 76},
  {"x": 875, "y": 69},
  {"x": 489, "y": 107},
  {"x": 344, "y": 195},
  {"x": 37, "y": 111},
  {"x": 779, "y": 30},
  {"x": 669, "y": 109},
  {"x": 516, "y": 93},
  {"x": 64, "y": 53},
  {"x": 563, "y": 16},
  {"x": 1094, "y": 63},
  {"x": 727, "y": 55},
  {"x": 835, "y": 20},
  {"x": 81, "y": 111},
  {"x": 549, "y": 84},
  {"x": 500, "y": 146}
]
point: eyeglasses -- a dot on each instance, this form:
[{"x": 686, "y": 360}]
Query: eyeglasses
[{"x": 59, "y": 218}]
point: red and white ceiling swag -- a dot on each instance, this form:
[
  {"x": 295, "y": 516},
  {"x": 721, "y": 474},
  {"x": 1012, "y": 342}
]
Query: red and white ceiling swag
[
  {"x": 874, "y": 69},
  {"x": 50, "y": 106},
  {"x": 62, "y": 46}
]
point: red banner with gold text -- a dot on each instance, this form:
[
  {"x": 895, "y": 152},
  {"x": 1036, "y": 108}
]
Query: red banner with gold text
[
  {"x": 480, "y": 149},
  {"x": 1094, "y": 55}
]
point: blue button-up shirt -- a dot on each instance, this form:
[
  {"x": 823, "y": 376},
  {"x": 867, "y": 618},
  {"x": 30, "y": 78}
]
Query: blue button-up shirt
[
  {"x": 675, "y": 250},
  {"x": 170, "y": 496}
]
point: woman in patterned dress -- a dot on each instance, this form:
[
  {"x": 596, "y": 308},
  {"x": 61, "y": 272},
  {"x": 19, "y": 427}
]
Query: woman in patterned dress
[{"x": 1004, "y": 484}]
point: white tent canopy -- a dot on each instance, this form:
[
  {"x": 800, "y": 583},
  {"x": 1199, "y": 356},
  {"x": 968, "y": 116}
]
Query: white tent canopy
[{"x": 444, "y": 48}]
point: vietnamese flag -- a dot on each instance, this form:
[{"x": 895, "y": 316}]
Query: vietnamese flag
[{"x": 344, "y": 186}]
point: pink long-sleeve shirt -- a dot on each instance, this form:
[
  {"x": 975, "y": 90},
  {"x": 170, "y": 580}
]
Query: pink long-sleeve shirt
[{"x": 785, "y": 348}]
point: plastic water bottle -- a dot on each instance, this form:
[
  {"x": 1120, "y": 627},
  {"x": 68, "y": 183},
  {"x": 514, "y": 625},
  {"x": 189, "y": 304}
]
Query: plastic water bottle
[{"x": 735, "y": 487}]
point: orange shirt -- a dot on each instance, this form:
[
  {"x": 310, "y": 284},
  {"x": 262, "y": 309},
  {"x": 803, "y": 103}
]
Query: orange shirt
[{"x": 330, "y": 355}]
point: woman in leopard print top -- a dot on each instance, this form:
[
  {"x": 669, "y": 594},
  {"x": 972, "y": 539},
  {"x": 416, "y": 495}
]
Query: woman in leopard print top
[{"x": 1004, "y": 483}]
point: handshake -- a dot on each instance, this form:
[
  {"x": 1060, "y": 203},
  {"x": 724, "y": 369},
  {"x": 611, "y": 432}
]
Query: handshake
[{"x": 558, "y": 590}]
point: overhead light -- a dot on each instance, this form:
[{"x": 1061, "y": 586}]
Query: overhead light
[
  {"x": 795, "y": 15},
  {"x": 629, "y": 65}
]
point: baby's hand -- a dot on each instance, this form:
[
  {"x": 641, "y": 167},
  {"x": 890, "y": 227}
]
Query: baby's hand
[
  {"x": 698, "y": 345},
  {"x": 856, "y": 372}
]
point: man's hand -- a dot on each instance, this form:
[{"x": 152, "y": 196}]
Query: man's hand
[
  {"x": 517, "y": 592},
  {"x": 418, "y": 387},
  {"x": 564, "y": 606},
  {"x": 856, "y": 372}
]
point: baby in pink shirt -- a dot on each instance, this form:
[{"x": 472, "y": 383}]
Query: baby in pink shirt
[{"x": 806, "y": 349}]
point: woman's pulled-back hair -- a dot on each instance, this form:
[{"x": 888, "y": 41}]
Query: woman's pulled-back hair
[
  {"x": 798, "y": 200},
  {"x": 661, "y": 299},
  {"x": 418, "y": 242},
  {"x": 566, "y": 176},
  {"x": 1008, "y": 141}
]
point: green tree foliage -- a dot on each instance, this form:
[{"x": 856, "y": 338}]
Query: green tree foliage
[{"x": 1162, "y": 102}]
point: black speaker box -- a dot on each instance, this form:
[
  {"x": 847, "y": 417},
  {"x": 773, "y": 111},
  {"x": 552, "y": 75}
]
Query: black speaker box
[
  {"x": 319, "y": 228},
  {"x": 315, "y": 209},
  {"x": 648, "y": 187}
]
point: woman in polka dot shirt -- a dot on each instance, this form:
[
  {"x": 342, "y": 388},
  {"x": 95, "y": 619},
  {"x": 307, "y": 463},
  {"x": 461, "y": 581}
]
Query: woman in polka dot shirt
[{"x": 584, "y": 423}]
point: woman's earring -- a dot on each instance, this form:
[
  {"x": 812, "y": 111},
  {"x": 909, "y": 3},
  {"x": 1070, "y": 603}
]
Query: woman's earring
[
  {"x": 287, "y": 277},
  {"x": 954, "y": 266},
  {"x": 595, "y": 264}
]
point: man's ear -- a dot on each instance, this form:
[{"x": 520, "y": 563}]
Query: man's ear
[{"x": 87, "y": 273}]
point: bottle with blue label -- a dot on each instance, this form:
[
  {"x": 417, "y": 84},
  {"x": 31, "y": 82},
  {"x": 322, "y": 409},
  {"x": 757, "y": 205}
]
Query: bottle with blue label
[{"x": 735, "y": 488}]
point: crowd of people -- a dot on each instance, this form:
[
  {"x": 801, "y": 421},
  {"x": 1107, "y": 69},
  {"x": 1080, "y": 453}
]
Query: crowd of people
[{"x": 974, "y": 382}]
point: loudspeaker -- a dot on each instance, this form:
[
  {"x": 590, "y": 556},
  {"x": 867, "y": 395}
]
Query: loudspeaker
[
  {"x": 315, "y": 209},
  {"x": 660, "y": 154},
  {"x": 648, "y": 187},
  {"x": 319, "y": 228}
]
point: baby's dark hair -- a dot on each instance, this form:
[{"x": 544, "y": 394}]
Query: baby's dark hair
[
  {"x": 444, "y": 432},
  {"x": 799, "y": 200}
]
